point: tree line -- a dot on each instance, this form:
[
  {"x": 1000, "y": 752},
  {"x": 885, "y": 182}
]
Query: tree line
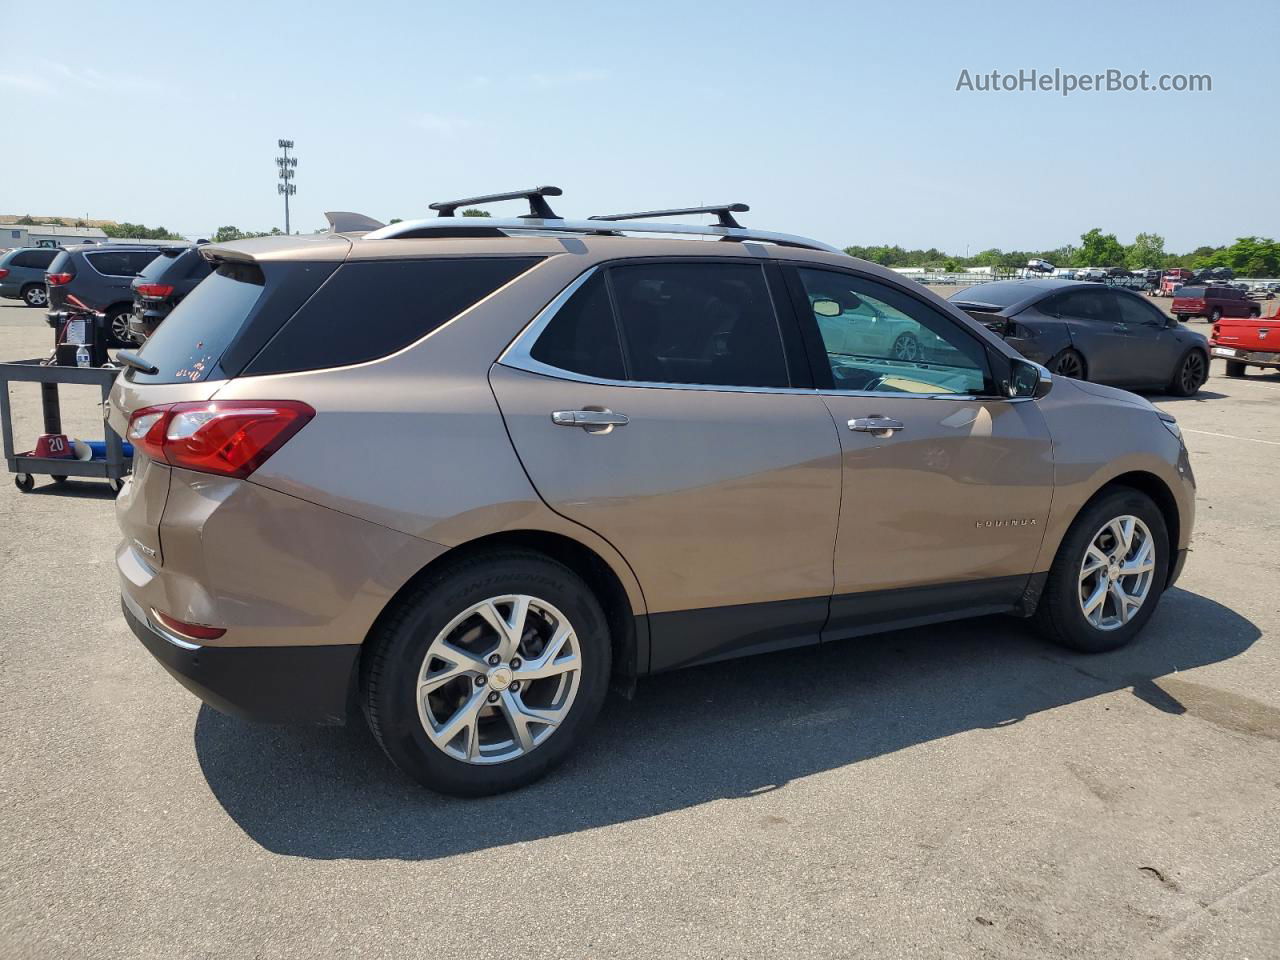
[{"x": 1247, "y": 257}]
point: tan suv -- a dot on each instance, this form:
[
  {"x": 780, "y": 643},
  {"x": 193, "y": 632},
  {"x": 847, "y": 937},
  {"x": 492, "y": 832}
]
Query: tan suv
[{"x": 465, "y": 473}]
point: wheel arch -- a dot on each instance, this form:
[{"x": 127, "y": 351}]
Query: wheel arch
[
  {"x": 628, "y": 630},
  {"x": 1160, "y": 494}
]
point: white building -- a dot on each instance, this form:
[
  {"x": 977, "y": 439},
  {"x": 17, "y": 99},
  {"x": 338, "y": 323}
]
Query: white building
[{"x": 47, "y": 235}]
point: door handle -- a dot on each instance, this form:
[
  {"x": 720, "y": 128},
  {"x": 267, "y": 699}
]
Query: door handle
[
  {"x": 876, "y": 425},
  {"x": 589, "y": 418}
]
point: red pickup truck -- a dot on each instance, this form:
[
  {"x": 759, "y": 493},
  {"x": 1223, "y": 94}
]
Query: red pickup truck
[{"x": 1246, "y": 341}]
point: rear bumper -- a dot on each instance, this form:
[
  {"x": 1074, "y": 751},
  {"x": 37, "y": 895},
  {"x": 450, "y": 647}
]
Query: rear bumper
[
  {"x": 266, "y": 684},
  {"x": 1259, "y": 357}
]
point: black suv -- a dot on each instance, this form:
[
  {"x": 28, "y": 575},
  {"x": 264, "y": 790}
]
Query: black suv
[
  {"x": 98, "y": 278},
  {"x": 162, "y": 285}
]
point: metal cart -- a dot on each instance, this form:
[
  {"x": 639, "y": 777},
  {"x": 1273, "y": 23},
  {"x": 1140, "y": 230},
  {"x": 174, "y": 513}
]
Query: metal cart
[{"x": 112, "y": 467}]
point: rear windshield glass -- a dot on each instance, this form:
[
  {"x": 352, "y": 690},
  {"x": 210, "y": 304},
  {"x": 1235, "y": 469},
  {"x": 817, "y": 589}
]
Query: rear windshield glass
[
  {"x": 369, "y": 309},
  {"x": 61, "y": 263},
  {"x": 1191, "y": 291},
  {"x": 1000, "y": 294},
  {"x": 154, "y": 269},
  {"x": 192, "y": 338}
]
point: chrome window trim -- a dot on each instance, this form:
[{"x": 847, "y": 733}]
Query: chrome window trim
[{"x": 518, "y": 356}]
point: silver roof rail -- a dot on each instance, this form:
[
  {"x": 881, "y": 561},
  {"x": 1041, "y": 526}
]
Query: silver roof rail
[{"x": 532, "y": 226}]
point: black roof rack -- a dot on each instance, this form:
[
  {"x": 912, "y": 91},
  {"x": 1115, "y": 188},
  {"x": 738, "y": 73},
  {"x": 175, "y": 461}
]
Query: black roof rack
[
  {"x": 724, "y": 211},
  {"x": 539, "y": 209}
]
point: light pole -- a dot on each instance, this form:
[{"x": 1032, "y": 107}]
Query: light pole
[{"x": 286, "y": 165}]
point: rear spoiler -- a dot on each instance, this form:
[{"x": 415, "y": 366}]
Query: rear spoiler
[{"x": 983, "y": 313}]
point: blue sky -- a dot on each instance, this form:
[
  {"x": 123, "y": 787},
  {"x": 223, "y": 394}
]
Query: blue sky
[{"x": 835, "y": 120}]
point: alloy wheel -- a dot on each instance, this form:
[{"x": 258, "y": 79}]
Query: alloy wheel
[
  {"x": 120, "y": 328},
  {"x": 499, "y": 679},
  {"x": 906, "y": 347},
  {"x": 1192, "y": 374},
  {"x": 1116, "y": 573},
  {"x": 1069, "y": 365},
  {"x": 37, "y": 297}
]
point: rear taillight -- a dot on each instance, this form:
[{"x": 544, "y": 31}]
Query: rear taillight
[
  {"x": 4, "y": 272},
  {"x": 192, "y": 631},
  {"x": 154, "y": 289},
  {"x": 231, "y": 438},
  {"x": 57, "y": 279},
  {"x": 1217, "y": 329}
]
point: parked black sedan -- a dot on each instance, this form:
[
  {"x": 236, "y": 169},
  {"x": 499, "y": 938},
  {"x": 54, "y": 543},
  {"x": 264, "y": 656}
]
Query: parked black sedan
[{"x": 1091, "y": 332}]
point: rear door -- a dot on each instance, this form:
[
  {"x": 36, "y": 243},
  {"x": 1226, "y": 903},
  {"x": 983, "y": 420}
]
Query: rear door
[
  {"x": 662, "y": 405},
  {"x": 946, "y": 488},
  {"x": 1097, "y": 333}
]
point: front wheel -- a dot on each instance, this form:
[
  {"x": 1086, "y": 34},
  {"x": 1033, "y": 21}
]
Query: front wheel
[
  {"x": 488, "y": 674},
  {"x": 1191, "y": 374},
  {"x": 35, "y": 296},
  {"x": 907, "y": 347},
  {"x": 1108, "y": 574},
  {"x": 1215, "y": 316}
]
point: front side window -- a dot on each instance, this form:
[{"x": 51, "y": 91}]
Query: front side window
[
  {"x": 699, "y": 323},
  {"x": 1136, "y": 310},
  {"x": 877, "y": 339}
]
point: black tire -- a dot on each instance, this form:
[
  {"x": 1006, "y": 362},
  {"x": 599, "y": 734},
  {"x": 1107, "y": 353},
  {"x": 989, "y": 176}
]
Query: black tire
[
  {"x": 1069, "y": 363},
  {"x": 399, "y": 642},
  {"x": 58, "y": 478},
  {"x": 35, "y": 295},
  {"x": 1058, "y": 614},
  {"x": 1180, "y": 317},
  {"x": 116, "y": 485},
  {"x": 1235, "y": 368},
  {"x": 1215, "y": 316},
  {"x": 24, "y": 482},
  {"x": 1191, "y": 374}
]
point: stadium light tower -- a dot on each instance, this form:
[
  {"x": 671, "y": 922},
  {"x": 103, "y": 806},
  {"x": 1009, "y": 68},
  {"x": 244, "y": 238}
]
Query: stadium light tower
[{"x": 286, "y": 165}]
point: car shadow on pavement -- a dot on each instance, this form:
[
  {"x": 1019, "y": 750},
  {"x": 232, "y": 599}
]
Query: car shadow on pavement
[{"x": 722, "y": 731}]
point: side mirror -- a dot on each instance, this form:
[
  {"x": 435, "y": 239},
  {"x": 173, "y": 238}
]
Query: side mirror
[
  {"x": 826, "y": 308},
  {"x": 1028, "y": 381}
]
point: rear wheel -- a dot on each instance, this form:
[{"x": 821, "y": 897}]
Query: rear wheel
[
  {"x": 1215, "y": 316},
  {"x": 1108, "y": 574},
  {"x": 1191, "y": 374},
  {"x": 488, "y": 674},
  {"x": 118, "y": 324},
  {"x": 1069, "y": 363},
  {"x": 35, "y": 295},
  {"x": 1235, "y": 368}
]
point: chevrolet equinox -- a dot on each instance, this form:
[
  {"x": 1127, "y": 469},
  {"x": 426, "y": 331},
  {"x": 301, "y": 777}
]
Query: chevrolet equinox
[{"x": 462, "y": 474}]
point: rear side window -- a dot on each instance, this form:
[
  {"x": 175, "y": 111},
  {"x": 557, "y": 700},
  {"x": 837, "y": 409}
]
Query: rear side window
[
  {"x": 187, "y": 346},
  {"x": 120, "y": 263},
  {"x": 61, "y": 263},
  {"x": 369, "y": 309},
  {"x": 1193, "y": 292},
  {"x": 38, "y": 259},
  {"x": 1090, "y": 305},
  {"x": 703, "y": 323},
  {"x": 582, "y": 337}
]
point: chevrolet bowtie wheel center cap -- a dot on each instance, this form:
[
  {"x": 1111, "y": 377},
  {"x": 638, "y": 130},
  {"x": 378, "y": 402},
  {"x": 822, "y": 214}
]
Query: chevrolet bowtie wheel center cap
[{"x": 500, "y": 678}]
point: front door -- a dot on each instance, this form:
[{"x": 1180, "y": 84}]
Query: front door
[
  {"x": 655, "y": 404},
  {"x": 946, "y": 488}
]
